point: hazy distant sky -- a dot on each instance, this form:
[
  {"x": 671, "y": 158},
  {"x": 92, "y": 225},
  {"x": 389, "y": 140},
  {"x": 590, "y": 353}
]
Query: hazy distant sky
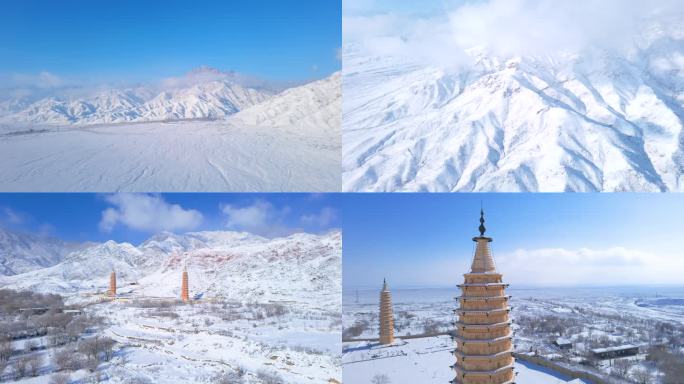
[
  {"x": 143, "y": 40},
  {"x": 425, "y": 240},
  {"x": 134, "y": 217},
  {"x": 442, "y": 32}
]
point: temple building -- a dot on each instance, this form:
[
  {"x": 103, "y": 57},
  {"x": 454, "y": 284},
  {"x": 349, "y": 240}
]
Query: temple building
[
  {"x": 386, "y": 316},
  {"x": 185, "y": 293},
  {"x": 112, "y": 285},
  {"x": 484, "y": 340}
]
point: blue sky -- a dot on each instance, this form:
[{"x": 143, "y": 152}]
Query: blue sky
[
  {"x": 142, "y": 40},
  {"x": 134, "y": 217},
  {"x": 420, "y": 240}
]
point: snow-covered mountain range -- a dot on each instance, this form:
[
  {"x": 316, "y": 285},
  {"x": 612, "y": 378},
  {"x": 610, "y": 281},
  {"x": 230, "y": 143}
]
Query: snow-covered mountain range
[
  {"x": 305, "y": 268},
  {"x": 204, "y": 93},
  {"x": 597, "y": 120},
  {"x": 24, "y": 252}
]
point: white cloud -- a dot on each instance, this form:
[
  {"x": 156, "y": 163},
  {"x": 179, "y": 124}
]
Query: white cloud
[
  {"x": 12, "y": 217},
  {"x": 207, "y": 74},
  {"x": 508, "y": 27},
  {"x": 147, "y": 213},
  {"x": 260, "y": 217},
  {"x": 321, "y": 219},
  {"x": 611, "y": 266},
  {"x": 40, "y": 80}
]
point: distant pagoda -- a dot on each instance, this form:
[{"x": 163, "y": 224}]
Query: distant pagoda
[
  {"x": 112, "y": 284},
  {"x": 484, "y": 340},
  {"x": 386, "y": 316},
  {"x": 185, "y": 292}
]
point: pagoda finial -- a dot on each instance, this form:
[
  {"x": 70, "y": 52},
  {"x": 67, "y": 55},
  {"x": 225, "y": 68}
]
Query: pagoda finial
[
  {"x": 482, "y": 221},
  {"x": 384, "y": 284}
]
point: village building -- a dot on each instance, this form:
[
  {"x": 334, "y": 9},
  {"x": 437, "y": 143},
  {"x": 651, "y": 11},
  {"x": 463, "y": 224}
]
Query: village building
[
  {"x": 563, "y": 343},
  {"x": 615, "y": 352}
]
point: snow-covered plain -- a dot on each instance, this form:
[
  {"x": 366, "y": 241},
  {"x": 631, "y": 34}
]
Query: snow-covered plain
[
  {"x": 587, "y": 121},
  {"x": 424, "y": 360},
  {"x": 286, "y": 142},
  {"x": 589, "y": 317}
]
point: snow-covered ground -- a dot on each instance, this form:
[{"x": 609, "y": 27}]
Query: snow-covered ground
[
  {"x": 424, "y": 360},
  {"x": 288, "y": 142},
  {"x": 589, "y": 317},
  {"x": 180, "y": 156},
  {"x": 196, "y": 343}
]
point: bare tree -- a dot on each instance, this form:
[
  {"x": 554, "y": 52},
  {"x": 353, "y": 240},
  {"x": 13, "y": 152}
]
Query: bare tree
[
  {"x": 89, "y": 348},
  {"x": 642, "y": 376},
  {"x": 106, "y": 346},
  {"x": 621, "y": 367},
  {"x": 60, "y": 378},
  {"x": 35, "y": 361},
  {"x": 5, "y": 353},
  {"x": 380, "y": 379},
  {"x": 228, "y": 378},
  {"x": 65, "y": 359},
  {"x": 21, "y": 366},
  {"x": 267, "y": 377},
  {"x": 30, "y": 345}
]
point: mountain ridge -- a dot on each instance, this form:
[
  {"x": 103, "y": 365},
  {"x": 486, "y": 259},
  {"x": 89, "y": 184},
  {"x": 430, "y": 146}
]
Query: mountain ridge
[
  {"x": 204, "y": 93},
  {"x": 595, "y": 121},
  {"x": 233, "y": 265}
]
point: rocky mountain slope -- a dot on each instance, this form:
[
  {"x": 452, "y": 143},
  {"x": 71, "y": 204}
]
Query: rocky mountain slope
[
  {"x": 592, "y": 121},
  {"x": 314, "y": 105},
  {"x": 24, "y": 252},
  {"x": 304, "y": 268}
]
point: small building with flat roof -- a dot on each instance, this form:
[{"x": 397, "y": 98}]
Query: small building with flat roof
[
  {"x": 617, "y": 351},
  {"x": 563, "y": 343}
]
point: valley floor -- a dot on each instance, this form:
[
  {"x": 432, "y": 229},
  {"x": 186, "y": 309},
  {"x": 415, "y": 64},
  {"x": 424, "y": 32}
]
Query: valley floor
[
  {"x": 424, "y": 360},
  {"x": 205, "y": 342},
  {"x": 179, "y": 156},
  {"x": 648, "y": 317}
]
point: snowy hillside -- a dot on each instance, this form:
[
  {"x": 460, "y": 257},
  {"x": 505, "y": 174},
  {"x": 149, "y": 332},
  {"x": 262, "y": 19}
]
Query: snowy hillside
[
  {"x": 23, "y": 252},
  {"x": 303, "y": 268},
  {"x": 316, "y": 105},
  {"x": 595, "y": 121}
]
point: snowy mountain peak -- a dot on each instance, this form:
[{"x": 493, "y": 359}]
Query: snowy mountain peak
[
  {"x": 22, "y": 252},
  {"x": 600, "y": 121},
  {"x": 238, "y": 265}
]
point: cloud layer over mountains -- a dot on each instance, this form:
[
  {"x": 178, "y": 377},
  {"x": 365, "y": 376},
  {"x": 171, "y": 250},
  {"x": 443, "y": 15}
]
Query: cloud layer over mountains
[{"x": 507, "y": 28}]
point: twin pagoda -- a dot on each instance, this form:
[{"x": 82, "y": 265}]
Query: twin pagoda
[
  {"x": 185, "y": 289},
  {"x": 483, "y": 336}
]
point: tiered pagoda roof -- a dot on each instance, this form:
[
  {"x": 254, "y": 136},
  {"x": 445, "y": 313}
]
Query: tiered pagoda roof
[{"x": 483, "y": 336}]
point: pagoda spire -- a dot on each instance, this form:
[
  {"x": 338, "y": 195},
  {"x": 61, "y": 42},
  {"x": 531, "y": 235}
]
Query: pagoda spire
[
  {"x": 482, "y": 221},
  {"x": 483, "y": 262},
  {"x": 483, "y": 336}
]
